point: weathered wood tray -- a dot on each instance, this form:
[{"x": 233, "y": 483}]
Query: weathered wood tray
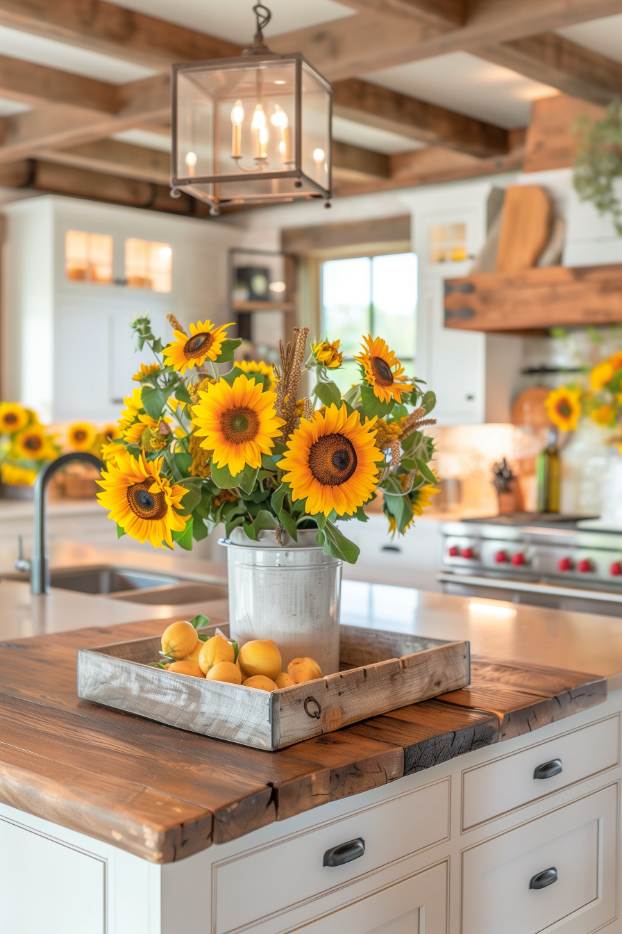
[{"x": 380, "y": 671}]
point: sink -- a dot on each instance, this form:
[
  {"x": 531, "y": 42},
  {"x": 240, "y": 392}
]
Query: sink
[{"x": 134, "y": 586}]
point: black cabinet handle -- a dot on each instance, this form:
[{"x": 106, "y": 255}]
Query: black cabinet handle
[
  {"x": 543, "y": 879},
  {"x": 548, "y": 769},
  {"x": 394, "y": 548},
  {"x": 344, "y": 853}
]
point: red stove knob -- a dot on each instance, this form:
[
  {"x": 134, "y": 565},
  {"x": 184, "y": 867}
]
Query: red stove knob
[
  {"x": 616, "y": 569},
  {"x": 453, "y": 551},
  {"x": 585, "y": 566},
  {"x": 565, "y": 565},
  {"x": 501, "y": 557},
  {"x": 468, "y": 553},
  {"x": 519, "y": 559}
]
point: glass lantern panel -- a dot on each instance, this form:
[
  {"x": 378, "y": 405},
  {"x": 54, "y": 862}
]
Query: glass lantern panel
[
  {"x": 315, "y": 128},
  {"x": 245, "y": 191},
  {"x": 237, "y": 120}
]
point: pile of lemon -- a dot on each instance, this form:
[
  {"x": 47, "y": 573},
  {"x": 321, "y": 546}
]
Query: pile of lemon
[{"x": 255, "y": 664}]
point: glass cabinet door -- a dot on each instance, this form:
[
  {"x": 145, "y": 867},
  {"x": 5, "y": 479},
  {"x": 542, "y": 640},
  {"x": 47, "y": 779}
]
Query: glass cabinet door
[
  {"x": 88, "y": 257},
  {"x": 148, "y": 265}
]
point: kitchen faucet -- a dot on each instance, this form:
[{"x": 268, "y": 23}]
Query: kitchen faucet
[{"x": 38, "y": 565}]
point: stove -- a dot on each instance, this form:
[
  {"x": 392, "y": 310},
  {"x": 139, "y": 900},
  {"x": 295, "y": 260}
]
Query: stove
[{"x": 535, "y": 558}]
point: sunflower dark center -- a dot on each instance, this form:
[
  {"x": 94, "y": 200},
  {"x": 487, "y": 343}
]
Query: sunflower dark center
[
  {"x": 198, "y": 344},
  {"x": 382, "y": 371},
  {"x": 239, "y": 425},
  {"x": 33, "y": 443},
  {"x": 564, "y": 409},
  {"x": 332, "y": 459},
  {"x": 79, "y": 435},
  {"x": 10, "y": 418},
  {"x": 144, "y": 503}
]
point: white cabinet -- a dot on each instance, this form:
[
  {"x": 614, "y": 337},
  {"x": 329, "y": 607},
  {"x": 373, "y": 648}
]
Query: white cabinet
[
  {"x": 416, "y": 905},
  {"x": 66, "y": 888},
  {"x": 557, "y": 868},
  {"x": 69, "y": 352},
  {"x": 472, "y": 374}
]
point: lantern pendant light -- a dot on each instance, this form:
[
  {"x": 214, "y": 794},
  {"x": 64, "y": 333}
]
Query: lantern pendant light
[{"x": 255, "y": 129}]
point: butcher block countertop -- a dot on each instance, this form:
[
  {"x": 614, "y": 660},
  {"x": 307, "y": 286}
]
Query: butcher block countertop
[{"x": 163, "y": 794}]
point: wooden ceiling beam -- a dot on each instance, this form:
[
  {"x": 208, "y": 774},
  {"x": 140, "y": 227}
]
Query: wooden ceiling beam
[
  {"x": 353, "y": 163},
  {"x": 33, "y": 84},
  {"x": 444, "y": 14},
  {"x": 115, "y": 157},
  {"x": 383, "y": 109},
  {"x": 561, "y": 64},
  {"x": 99, "y": 26}
]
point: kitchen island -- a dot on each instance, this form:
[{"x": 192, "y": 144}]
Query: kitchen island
[{"x": 434, "y": 818}]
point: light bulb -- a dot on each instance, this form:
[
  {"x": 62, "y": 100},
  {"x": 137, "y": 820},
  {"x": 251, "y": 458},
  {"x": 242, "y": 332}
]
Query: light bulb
[
  {"x": 191, "y": 160},
  {"x": 279, "y": 118},
  {"x": 237, "y": 114},
  {"x": 259, "y": 118},
  {"x": 318, "y": 155}
]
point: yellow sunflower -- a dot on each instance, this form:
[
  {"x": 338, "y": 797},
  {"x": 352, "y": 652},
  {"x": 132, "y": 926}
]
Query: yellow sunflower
[
  {"x": 257, "y": 366},
  {"x": 422, "y": 499},
  {"x": 14, "y": 475},
  {"x": 143, "y": 502},
  {"x": 601, "y": 374},
  {"x": 331, "y": 461},
  {"x": 81, "y": 436},
  {"x": 563, "y": 407},
  {"x": 133, "y": 408},
  {"x": 205, "y": 343},
  {"x": 604, "y": 415},
  {"x": 13, "y": 417},
  {"x": 328, "y": 354},
  {"x": 33, "y": 444},
  {"x": 145, "y": 371},
  {"x": 133, "y": 433},
  {"x": 238, "y": 422},
  {"x": 110, "y": 432},
  {"x": 382, "y": 370}
]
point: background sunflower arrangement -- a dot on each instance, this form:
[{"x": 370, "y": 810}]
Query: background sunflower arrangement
[
  {"x": 25, "y": 445},
  {"x": 205, "y": 439},
  {"x": 599, "y": 399}
]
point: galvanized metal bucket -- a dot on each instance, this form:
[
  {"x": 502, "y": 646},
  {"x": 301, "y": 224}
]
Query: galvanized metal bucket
[{"x": 289, "y": 593}]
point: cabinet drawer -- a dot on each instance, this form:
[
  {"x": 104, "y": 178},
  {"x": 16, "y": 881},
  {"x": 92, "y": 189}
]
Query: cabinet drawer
[
  {"x": 288, "y": 871},
  {"x": 561, "y": 866},
  {"x": 415, "y": 905},
  {"x": 512, "y": 781}
]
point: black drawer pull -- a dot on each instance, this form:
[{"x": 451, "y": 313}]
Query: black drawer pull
[
  {"x": 548, "y": 769},
  {"x": 543, "y": 879},
  {"x": 393, "y": 548},
  {"x": 345, "y": 852}
]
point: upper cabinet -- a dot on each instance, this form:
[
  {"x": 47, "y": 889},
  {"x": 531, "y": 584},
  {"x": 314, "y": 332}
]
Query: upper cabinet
[
  {"x": 76, "y": 274},
  {"x": 473, "y": 375}
]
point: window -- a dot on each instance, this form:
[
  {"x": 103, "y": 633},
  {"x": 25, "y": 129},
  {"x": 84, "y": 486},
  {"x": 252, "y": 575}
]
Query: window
[
  {"x": 369, "y": 295},
  {"x": 148, "y": 265},
  {"x": 88, "y": 257}
]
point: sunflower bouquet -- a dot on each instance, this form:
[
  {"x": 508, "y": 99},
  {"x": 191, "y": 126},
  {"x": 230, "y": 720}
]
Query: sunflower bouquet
[
  {"x": 598, "y": 399},
  {"x": 25, "y": 445},
  {"x": 206, "y": 439}
]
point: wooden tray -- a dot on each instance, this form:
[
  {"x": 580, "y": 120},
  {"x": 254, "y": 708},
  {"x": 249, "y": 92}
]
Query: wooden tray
[{"x": 381, "y": 671}]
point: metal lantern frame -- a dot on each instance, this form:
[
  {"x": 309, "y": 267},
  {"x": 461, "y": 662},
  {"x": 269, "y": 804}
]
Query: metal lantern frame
[{"x": 255, "y": 57}]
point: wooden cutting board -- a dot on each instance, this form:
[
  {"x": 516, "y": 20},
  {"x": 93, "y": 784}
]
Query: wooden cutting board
[{"x": 525, "y": 228}]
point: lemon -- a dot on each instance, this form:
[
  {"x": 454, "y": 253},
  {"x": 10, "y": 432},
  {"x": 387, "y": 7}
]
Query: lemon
[
  {"x": 283, "y": 680},
  {"x": 303, "y": 669},
  {"x": 260, "y": 682},
  {"x": 217, "y": 649},
  {"x": 179, "y": 639},
  {"x": 186, "y": 667},
  {"x": 260, "y": 657},
  {"x": 225, "y": 671}
]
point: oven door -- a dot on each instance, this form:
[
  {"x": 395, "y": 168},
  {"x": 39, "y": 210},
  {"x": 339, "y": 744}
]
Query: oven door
[{"x": 533, "y": 593}]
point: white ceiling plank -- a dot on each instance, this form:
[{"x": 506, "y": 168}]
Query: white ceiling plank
[
  {"x": 599, "y": 35},
  {"x": 347, "y": 131}
]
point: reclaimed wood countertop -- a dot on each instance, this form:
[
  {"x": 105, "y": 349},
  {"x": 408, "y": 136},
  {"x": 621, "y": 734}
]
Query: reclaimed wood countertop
[{"x": 163, "y": 793}]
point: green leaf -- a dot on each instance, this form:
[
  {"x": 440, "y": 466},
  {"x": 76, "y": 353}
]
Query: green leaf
[
  {"x": 247, "y": 479},
  {"x": 183, "y": 461},
  {"x": 199, "y": 529},
  {"x": 199, "y": 621},
  {"x": 182, "y": 394},
  {"x": 120, "y": 532},
  {"x": 191, "y": 499},
  {"x": 228, "y": 348},
  {"x": 184, "y": 538},
  {"x": 428, "y": 401},
  {"x": 222, "y": 477},
  {"x": 327, "y": 392},
  {"x": 263, "y": 521},
  {"x": 335, "y": 543},
  {"x": 154, "y": 401},
  {"x": 426, "y": 472},
  {"x": 372, "y": 406}
]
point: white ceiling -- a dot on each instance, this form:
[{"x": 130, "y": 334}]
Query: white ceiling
[
  {"x": 469, "y": 85},
  {"x": 161, "y": 141},
  {"x": 346, "y": 131},
  {"x": 601, "y": 35},
  {"x": 68, "y": 58},
  {"x": 234, "y": 19},
  {"x": 7, "y": 107}
]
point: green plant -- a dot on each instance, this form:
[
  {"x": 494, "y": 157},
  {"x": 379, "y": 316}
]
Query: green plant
[{"x": 598, "y": 166}]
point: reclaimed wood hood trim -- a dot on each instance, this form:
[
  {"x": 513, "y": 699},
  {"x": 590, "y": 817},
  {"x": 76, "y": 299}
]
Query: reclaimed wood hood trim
[{"x": 535, "y": 299}]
